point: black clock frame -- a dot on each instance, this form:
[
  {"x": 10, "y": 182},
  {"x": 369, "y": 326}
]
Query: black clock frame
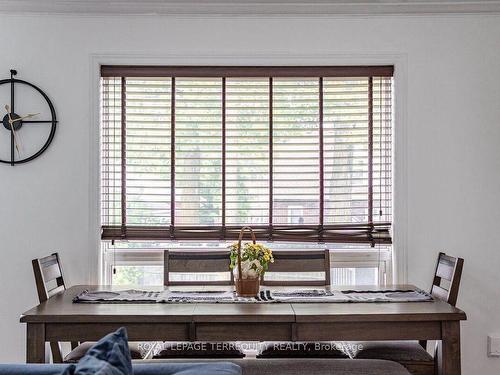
[{"x": 53, "y": 121}]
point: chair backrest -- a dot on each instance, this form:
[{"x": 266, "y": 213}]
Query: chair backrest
[
  {"x": 186, "y": 262},
  {"x": 48, "y": 276},
  {"x": 294, "y": 262},
  {"x": 447, "y": 277}
]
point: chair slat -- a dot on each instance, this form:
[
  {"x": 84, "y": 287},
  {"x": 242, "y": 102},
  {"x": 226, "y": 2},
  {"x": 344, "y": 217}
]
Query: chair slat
[
  {"x": 445, "y": 268},
  {"x": 439, "y": 293},
  {"x": 51, "y": 272},
  {"x": 49, "y": 260},
  {"x": 198, "y": 262},
  {"x": 298, "y": 262},
  {"x": 56, "y": 290},
  {"x": 294, "y": 282},
  {"x": 195, "y": 283}
]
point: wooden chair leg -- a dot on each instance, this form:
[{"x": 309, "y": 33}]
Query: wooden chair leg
[
  {"x": 423, "y": 344},
  {"x": 55, "y": 348}
]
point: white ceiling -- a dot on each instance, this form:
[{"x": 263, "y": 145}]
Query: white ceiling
[{"x": 249, "y": 7}]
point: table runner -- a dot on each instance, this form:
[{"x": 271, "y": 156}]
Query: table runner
[{"x": 265, "y": 296}]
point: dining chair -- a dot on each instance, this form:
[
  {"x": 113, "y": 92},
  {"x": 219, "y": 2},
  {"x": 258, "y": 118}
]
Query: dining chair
[
  {"x": 197, "y": 268},
  {"x": 413, "y": 354},
  {"x": 49, "y": 281},
  {"x": 301, "y": 268}
]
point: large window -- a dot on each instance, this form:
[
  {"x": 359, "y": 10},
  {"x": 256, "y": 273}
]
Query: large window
[{"x": 302, "y": 154}]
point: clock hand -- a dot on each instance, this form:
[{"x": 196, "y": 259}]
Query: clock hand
[
  {"x": 25, "y": 117},
  {"x": 7, "y": 108},
  {"x": 15, "y": 138}
]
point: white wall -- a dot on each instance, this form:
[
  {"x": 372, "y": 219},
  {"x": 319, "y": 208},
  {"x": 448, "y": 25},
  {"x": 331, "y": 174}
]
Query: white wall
[{"x": 453, "y": 136}]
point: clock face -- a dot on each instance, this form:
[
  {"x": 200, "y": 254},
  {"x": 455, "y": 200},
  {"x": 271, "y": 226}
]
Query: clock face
[{"x": 28, "y": 121}]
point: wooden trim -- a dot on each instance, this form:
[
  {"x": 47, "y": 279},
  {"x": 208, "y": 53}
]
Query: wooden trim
[
  {"x": 223, "y": 121},
  {"x": 370, "y": 150},
  {"x": 321, "y": 159},
  {"x": 172, "y": 154},
  {"x": 245, "y": 71},
  {"x": 123, "y": 142},
  {"x": 271, "y": 198}
]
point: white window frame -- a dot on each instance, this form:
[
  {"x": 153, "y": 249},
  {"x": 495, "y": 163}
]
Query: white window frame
[
  {"x": 397, "y": 265},
  {"x": 373, "y": 258}
]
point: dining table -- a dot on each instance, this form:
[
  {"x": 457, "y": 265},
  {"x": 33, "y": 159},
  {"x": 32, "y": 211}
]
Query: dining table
[{"x": 59, "y": 319}]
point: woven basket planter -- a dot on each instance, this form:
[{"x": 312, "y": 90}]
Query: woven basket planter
[{"x": 246, "y": 287}]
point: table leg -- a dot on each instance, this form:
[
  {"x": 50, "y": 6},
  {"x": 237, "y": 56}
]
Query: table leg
[
  {"x": 35, "y": 343},
  {"x": 448, "y": 351}
]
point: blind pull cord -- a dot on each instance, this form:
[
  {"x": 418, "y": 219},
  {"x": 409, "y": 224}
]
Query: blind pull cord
[{"x": 114, "y": 257}]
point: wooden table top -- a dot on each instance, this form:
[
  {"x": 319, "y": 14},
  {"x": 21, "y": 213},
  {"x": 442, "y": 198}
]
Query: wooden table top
[{"x": 61, "y": 309}]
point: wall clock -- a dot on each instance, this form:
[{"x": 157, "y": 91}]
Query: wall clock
[{"x": 29, "y": 121}]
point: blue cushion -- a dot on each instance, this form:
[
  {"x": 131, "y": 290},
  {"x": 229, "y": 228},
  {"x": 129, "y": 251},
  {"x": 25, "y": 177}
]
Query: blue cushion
[
  {"x": 32, "y": 368},
  {"x": 213, "y": 368},
  {"x": 210, "y": 368},
  {"x": 109, "y": 356}
]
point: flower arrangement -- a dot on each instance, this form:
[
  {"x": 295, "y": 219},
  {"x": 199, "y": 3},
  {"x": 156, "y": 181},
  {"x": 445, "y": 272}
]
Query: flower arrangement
[{"x": 255, "y": 259}]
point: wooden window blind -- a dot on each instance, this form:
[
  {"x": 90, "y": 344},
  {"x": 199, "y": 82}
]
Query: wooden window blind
[{"x": 298, "y": 153}]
